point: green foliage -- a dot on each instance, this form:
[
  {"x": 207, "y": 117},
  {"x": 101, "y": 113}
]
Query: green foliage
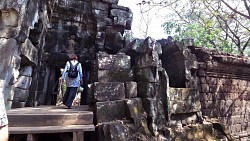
[
  {"x": 216, "y": 24},
  {"x": 203, "y": 35}
]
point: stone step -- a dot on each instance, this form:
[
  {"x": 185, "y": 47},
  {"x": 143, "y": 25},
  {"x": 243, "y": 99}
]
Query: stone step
[{"x": 49, "y": 116}]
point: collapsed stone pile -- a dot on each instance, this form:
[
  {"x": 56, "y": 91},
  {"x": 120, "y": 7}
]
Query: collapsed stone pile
[{"x": 133, "y": 96}]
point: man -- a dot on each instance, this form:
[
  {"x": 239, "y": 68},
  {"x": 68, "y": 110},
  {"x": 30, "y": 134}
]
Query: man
[
  {"x": 71, "y": 82},
  {"x": 4, "y": 129}
]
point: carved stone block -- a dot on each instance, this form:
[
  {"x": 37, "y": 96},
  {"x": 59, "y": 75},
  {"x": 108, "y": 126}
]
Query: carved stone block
[
  {"x": 148, "y": 74},
  {"x": 107, "y": 91},
  {"x": 113, "y": 62},
  {"x": 148, "y": 90},
  {"x": 108, "y": 111},
  {"x": 114, "y": 76},
  {"x": 134, "y": 109},
  {"x": 131, "y": 89},
  {"x": 153, "y": 107},
  {"x": 148, "y": 60}
]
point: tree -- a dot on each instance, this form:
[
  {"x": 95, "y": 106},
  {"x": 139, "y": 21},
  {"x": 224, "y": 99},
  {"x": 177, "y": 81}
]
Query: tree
[{"x": 218, "y": 23}]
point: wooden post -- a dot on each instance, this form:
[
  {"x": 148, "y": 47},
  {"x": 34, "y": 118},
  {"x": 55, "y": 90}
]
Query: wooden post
[{"x": 78, "y": 136}]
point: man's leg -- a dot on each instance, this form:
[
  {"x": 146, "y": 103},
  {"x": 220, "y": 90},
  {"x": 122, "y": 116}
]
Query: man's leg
[{"x": 4, "y": 133}]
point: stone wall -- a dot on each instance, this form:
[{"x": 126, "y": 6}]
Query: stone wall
[
  {"x": 39, "y": 35},
  {"x": 220, "y": 85},
  {"x": 224, "y": 89},
  {"x": 19, "y": 55},
  {"x": 128, "y": 100}
]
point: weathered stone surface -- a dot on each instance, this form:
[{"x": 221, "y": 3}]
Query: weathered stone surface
[
  {"x": 9, "y": 20},
  {"x": 183, "y": 94},
  {"x": 101, "y": 16},
  {"x": 108, "y": 111},
  {"x": 111, "y": 1},
  {"x": 130, "y": 89},
  {"x": 134, "y": 109},
  {"x": 107, "y": 91},
  {"x": 184, "y": 119},
  {"x": 14, "y": 76},
  {"x": 57, "y": 58},
  {"x": 179, "y": 58},
  {"x": 114, "y": 76},
  {"x": 195, "y": 132},
  {"x": 27, "y": 12},
  {"x": 99, "y": 5},
  {"x": 113, "y": 62},
  {"x": 148, "y": 45},
  {"x": 114, "y": 41},
  {"x": 118, "y": 132},
  {"x": 23, "y": 82},
  {"x": 16, "y": 61},
  {"x": 141, "y": 126},
  {"x": 154, "y": 107},
  {"x": 29, "y": 52},
  {"x": 148, "y": 74},
  {"x": 7, "y": 49},
  {"x": 121, "y": 17},
  {"x": 186, "y": 106},
  {"x": 133, "y": 48},
  {"x": 20, "y": 95},
  {"x": 148, "y": 90},
  {"x": 148, "y": 60}
]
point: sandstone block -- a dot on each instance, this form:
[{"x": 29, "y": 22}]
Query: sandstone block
[
  {"x": 153, "y": 107},
  {"x": 141, "y": 126},
  {"x": 108, "y": 111},
  {"x": 118, "y": 132},
  {"x": 148, "y": 90},
  {"x": 187, "y": 106},
  {"x": 114, "y": 76},
  {"x": 107, "y": 91},
  {"x": 29, "y": 52},
  {"x": 113, "y": 62},
  {"x": 99, "y": 5},
  {"x": 7, "y": 49},
  {"x": 148, "y": 60},
  {"x": 131, "y": 89},
  {"x": 183, "y": 94},
  {"x": 16, "y": 61},
  {"x": 111, "y": 1},
  {"x": 148, "y": 74},
  {"x": 132, "y": 49},
  {"x": 134, "y": 109}
]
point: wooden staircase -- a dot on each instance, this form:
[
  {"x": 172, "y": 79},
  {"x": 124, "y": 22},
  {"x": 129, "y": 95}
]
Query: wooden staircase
[{"x": 34, "y": 121}]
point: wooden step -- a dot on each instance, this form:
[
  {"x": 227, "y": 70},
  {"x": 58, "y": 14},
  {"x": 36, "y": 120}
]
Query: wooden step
[
  {"x": 50, "y": 129},
  {"x": 49, "y": 116}
]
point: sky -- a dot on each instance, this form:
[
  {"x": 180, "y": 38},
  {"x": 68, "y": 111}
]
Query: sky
[{"x": 155, "y": 30}]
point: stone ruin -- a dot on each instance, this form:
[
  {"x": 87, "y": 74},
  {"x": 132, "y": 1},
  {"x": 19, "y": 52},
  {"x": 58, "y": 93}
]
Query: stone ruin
[{"x": 143, "y": 89}]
